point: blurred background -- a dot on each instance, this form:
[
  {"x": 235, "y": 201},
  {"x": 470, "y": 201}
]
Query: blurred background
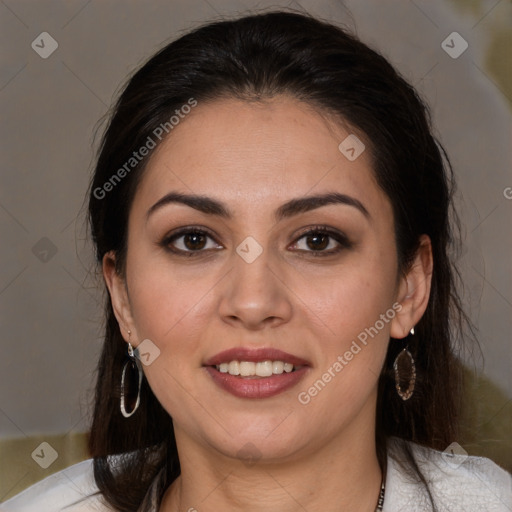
[{"x": 62, "y": 64}]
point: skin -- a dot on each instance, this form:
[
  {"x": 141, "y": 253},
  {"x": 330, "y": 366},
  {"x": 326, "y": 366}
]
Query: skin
[{"x": 254, "y": 157}]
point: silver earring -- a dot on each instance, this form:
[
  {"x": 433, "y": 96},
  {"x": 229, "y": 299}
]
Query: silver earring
[
  {"x": 405, "y": 369},
  {"x": 135, "y": 367}
]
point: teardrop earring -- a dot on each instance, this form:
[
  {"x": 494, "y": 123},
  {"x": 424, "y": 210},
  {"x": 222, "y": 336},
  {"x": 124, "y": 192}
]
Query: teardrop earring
[{"x": 405, "y": 371}]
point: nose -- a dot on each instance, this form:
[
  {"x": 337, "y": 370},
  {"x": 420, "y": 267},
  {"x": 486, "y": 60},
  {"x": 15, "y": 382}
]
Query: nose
[{"x": 255, "y": 295}]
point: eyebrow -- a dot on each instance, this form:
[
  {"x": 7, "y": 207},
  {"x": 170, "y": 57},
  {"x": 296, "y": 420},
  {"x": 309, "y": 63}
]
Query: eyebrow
[{"x": 293, "y": 207}]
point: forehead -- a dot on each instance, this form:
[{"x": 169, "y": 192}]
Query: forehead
[{"x": 252, "y": 153}]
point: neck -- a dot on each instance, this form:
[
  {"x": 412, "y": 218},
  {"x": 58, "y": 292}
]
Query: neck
[{"x": 341, "y": 476}]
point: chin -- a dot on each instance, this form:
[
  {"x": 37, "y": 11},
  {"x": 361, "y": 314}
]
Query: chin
[{"x": 258, "y": 437}]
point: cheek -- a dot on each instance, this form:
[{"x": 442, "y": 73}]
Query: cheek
[
  {"x": 173, "y": 313},
  {"x": 169, "y": 307},
  {"x": 357, "y": 307},
  {"x": 353, "y": 298}
]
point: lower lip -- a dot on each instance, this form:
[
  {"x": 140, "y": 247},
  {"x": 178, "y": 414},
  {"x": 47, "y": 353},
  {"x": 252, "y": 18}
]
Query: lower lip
[{"x": 257, "y": 387}]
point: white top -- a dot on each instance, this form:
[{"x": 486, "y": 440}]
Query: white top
[{"x": 458, "y": 484}]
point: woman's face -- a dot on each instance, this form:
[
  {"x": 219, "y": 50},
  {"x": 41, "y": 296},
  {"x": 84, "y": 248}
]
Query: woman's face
[{"x": 254, "y": 282}]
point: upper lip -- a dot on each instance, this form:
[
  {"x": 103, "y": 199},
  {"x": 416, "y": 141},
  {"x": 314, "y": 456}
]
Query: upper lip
[{"x": 255, "y": 355}]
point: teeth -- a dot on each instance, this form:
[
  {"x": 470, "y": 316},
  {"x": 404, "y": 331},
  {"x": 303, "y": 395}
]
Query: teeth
[
  {"x": 277, "y": 367},
  {"x": 288, "y": 367},
  {"x": 247, "y": 368},
  {"x": 259, "y": 369},
  {"x": 264, "y": 369},
  {"x": 234, "y": 368}
]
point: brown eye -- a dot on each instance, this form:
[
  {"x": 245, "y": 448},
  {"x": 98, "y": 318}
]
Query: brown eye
[
  {"x": 189, "y": 241},
  {"x": 321, "y": 241},
  {"x": 318, "y": 241},
  {"x": 194, "y": 241}
]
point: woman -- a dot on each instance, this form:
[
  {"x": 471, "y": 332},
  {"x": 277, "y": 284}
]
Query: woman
[{"x": 271, "y": 213}]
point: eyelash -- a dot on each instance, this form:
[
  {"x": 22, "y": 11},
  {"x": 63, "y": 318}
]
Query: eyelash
[{"x": 342, "y": 240}]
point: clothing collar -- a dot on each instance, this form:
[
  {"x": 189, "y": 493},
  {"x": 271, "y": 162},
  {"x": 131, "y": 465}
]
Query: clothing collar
[{"x": 150, "y": 501}]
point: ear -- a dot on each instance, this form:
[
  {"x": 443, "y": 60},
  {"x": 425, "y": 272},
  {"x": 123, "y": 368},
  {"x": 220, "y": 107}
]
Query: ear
[
  {"x": 414, "y": 290},
  {"x": 119, "y": 296}
]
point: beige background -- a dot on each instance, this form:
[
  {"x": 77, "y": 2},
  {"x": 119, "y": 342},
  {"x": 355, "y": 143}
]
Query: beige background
[{"x": 49, "y": 296}]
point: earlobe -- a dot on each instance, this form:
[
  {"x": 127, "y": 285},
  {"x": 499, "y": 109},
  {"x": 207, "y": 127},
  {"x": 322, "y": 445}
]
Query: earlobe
[
  {"x": 118, "y": 295},
  {"x": 414, "y": 290}
]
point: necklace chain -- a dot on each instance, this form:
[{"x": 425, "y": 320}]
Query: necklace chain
[{"x": 380, "y": 502}]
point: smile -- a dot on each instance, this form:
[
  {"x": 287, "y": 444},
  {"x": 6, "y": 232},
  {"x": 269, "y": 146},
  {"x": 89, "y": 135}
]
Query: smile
[{"x": 256, "y": 373}]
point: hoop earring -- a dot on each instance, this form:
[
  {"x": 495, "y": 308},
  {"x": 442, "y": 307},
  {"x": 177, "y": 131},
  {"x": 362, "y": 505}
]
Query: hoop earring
[
  {"x": 135, "y": 366},
  {"x": 404, "y": 364}
]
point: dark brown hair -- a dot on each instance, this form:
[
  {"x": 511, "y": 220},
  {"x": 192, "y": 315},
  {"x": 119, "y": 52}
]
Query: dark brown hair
[{"x": 253, "y": 58}]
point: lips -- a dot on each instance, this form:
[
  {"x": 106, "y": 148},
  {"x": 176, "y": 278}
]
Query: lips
[{"x": 247, "y": 384}]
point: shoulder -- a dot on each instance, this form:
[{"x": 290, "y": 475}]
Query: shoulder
[
  {"x": 69, "y": 490},
  {"x": 456, "y": 482}
]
